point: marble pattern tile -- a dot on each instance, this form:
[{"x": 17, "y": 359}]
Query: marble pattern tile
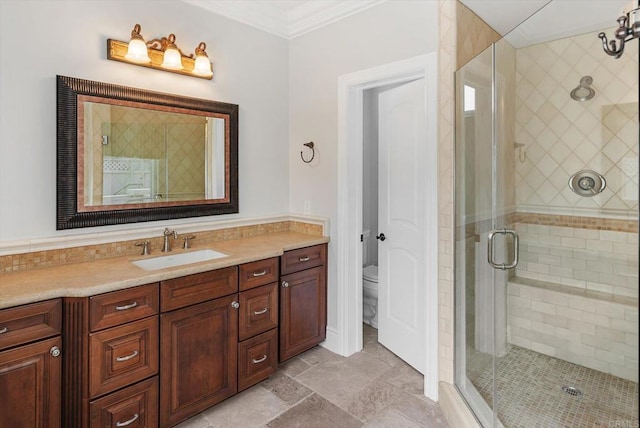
[
  {"x": 315, "y": 412},
  {"x": 372, "y": 388},
  {"x": 286, "y": 388}
]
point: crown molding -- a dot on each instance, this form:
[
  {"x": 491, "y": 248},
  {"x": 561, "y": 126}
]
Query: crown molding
[{"x": 288, "y": 24}]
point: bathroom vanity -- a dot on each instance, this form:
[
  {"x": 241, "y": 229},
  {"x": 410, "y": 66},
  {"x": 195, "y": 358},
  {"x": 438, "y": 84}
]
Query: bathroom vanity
[{"x": 164, "y": 345}]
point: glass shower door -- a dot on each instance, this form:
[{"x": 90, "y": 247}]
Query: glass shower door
[{"x": 485, "y": 243}]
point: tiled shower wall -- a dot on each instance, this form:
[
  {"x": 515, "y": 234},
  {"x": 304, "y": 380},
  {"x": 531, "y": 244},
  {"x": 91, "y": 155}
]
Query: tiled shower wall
[
  {"x": 562, "y": 136},
  {"x": 601, "y": 334},
  {"x": 604, "y": 261}
]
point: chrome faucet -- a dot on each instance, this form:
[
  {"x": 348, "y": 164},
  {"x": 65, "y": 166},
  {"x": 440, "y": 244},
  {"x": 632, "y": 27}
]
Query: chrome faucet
[{"x": 167, "y": 233}]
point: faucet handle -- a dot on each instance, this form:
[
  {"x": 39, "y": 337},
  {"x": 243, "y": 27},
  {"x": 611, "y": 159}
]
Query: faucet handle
[
  {"x": 145, "y": 247},
  {"x": 186, "y": 241}
]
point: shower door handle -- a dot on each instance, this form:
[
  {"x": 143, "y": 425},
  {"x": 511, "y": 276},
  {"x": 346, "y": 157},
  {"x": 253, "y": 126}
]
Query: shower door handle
[{"x": 516, "y": 249}]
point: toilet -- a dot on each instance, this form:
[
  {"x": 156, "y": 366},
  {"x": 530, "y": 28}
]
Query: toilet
[{"x": 369, "y": 286}]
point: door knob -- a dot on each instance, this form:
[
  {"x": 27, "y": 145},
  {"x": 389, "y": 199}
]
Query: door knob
[{"x": 381, "y": 237}]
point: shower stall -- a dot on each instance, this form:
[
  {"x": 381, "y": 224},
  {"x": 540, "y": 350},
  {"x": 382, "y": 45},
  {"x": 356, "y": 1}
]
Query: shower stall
[{"x": 546, "y": 231}]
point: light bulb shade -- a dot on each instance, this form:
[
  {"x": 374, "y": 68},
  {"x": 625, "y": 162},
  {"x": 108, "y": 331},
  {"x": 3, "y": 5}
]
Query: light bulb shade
[
  {"x": 172, "y": 59},
  {"x": 137, "y": 51},
  {"x": 202, "y": 66}
]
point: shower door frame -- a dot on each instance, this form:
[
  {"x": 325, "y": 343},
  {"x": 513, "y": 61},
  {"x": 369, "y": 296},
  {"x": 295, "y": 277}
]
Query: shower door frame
[{"x": 484, "y": 412}]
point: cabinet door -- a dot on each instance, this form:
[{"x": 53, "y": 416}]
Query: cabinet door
[
  {"x": 30, "y": 386},
  {"x": 198, "y": 362},
  {"x": 303, "y": 311}
]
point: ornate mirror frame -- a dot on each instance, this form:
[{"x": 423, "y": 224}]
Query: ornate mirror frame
[{"x": 69, "y": 175}]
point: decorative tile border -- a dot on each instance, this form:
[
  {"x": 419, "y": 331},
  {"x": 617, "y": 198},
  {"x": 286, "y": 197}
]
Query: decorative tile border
[
  {"x": 596, "y": 223},
  {"x": 576, "y": 222},
  {"x": 83, "y": 253}
]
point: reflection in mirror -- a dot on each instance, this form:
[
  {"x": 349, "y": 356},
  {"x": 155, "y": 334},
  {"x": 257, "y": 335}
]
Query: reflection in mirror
[
  {"x": 136, "y": 156},
  {"x": 128, "y": 155}
]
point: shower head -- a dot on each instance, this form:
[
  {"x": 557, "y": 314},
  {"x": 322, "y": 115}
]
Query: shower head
[{"x": 583, "y": 91}]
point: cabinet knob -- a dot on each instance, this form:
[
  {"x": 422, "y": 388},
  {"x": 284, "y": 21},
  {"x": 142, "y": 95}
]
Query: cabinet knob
[
  {"x": 235, "y": 305},
  {"x": 55, "y": 352},
  {"x": 285, "y": 284}
]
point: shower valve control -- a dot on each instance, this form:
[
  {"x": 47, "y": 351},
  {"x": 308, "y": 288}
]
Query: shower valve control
[{"x": 381, "y": 237}]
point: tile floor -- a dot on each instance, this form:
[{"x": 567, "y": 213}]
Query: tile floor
[
  {"x": 530, "y": 392},
  {"x": 319, "y": 389}
]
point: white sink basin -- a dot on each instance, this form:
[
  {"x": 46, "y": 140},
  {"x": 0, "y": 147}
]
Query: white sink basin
[{"x": 179, "y": 259}]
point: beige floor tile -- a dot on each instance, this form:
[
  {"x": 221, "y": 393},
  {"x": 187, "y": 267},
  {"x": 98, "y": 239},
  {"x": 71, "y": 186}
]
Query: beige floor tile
[
  {"x": 340, "y": 380},
  {"x": 285, "y": 388},
  {"x": 390, "y": 419},
  {"x": 251, "y": 408},
  {"x": 371, "y": 399},
  {"x": 315, "y": 412}
]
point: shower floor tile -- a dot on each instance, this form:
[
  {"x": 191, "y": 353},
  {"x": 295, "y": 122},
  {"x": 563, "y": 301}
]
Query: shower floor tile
[{"x": 530, "y": 393}]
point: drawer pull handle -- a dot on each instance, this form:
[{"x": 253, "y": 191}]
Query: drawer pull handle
[
  {"x": 127, "y": 357},
  {"x": 261, "y": 311},
  {"x": 259, "y": 360},
  {"x": 4, "y": 330},
  {"x": 129, "y": 422},
  {"x": 125, "y": 307},
  {"x": 304, "y": 259},
  {"x": 263, "y": 273}
]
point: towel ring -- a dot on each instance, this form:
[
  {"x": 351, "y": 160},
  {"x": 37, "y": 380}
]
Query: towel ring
[{"x": 313, "y": 152}]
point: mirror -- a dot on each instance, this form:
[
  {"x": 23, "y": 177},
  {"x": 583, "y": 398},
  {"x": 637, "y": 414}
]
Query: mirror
[{"x": 129, "y": 155}]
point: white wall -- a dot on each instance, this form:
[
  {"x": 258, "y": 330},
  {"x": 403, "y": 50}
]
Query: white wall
[
  {"x": 40, "y": 39},
  {"x": 382, "y": 34}
]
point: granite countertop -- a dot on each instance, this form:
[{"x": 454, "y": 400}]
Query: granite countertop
[{"x": 101, "y": 276}]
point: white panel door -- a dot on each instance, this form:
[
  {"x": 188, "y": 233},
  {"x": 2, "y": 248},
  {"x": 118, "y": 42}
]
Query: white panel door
[{"x": 401, "y": 255}]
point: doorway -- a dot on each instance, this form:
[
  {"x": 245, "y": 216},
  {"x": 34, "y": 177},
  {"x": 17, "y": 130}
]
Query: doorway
[{"x": 350, "y": 199}]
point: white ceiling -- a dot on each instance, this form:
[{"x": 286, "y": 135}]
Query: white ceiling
[
  {"x": 285, "y": 18},
  {"x": 555, "y": 19}
]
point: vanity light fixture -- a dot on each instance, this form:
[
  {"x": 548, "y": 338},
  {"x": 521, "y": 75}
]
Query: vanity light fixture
[{"x": 160, "y": 54}]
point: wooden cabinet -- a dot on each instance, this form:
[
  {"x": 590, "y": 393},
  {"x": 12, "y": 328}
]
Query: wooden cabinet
[
  {"x": 257, "y": 331},
  {"x": 157, "y": 354},
  {"x": 199, "y": 345},
  {"x": 303, "y": 300},
  {"x": 132, "y": 407},
  {"x": 31, "y": 365},
  {"x": 111, "y": 360}
]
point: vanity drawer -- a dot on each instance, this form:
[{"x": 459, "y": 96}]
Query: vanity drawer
[
  {"x": 257, "y": 359},
  {"x": 303, "y": 258},
  {"x": 122, "y": 355},
  {"x": 111, "y": 309},
  {"x": 24, "y": 324},
  {"x": 258, "y": 310},
  {"x": 258, "y": 273},
  {"x": 135, "y": 406},
  {"x": 192, "y": 289}
]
